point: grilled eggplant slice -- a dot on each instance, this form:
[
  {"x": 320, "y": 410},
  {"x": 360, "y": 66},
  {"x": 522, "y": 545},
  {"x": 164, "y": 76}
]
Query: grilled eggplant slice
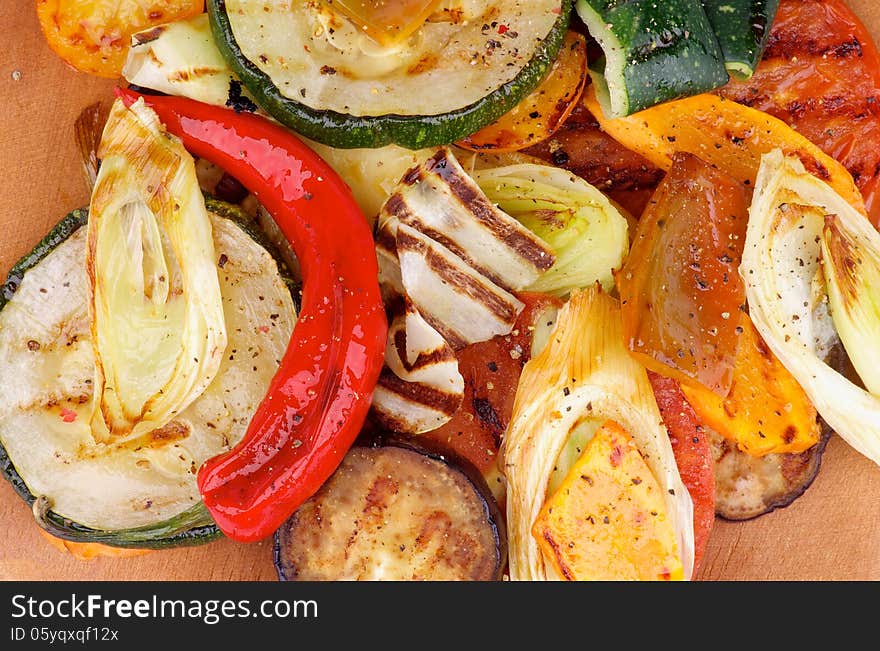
[
  {"x": 395, "y": 512},
  {"x": 747, "y": 486}
]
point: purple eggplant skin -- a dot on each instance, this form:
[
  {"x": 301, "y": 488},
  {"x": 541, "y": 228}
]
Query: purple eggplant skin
[
  {"x": 747, "y": 487},
  {"x": 773, "y": 481},
  {"x": 396, "y": 509}
]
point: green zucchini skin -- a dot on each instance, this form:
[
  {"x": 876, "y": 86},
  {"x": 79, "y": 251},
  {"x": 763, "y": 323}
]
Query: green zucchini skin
[
  {"x": 742, "y": 28},
  {"x": 655, "y": 51},
  {"x": 346, "y": 131},
  {"x": 191, "y": 527}
]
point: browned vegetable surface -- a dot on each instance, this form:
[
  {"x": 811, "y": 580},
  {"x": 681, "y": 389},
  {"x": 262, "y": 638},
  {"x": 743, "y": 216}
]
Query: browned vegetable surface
[
  {"x": 747, "y": 486},
  {"x": 831, "y": 532},
  {"x": 394, "y": 513},
  {"x": 581, "y": 147}
]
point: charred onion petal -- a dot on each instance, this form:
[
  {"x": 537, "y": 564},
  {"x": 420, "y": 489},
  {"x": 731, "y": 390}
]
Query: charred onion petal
[
  {"x": 157, "y": 314},
  {"x": 786, "y": 291}
]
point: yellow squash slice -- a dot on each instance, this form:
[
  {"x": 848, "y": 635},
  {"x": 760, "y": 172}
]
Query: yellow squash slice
[{"x": 608, "y": 520}]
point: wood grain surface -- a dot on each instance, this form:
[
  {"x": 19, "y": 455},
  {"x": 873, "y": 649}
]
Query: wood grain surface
[{"x": 831, "y": 533}]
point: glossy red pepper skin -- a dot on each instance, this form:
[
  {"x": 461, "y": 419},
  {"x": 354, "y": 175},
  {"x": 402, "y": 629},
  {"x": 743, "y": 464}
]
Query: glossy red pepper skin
[{"x": 320, "y": 395}]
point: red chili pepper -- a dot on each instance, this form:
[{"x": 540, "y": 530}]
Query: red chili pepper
[{"x": 320, "y": 395}]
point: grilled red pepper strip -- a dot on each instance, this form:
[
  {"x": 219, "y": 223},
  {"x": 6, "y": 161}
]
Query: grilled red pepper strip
[
  {"x": 319, "y": 397},
  {"x": 693, "y": 455}
]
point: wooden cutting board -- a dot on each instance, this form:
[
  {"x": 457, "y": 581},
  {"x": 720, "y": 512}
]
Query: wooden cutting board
[{"x": 831, "y": 533}]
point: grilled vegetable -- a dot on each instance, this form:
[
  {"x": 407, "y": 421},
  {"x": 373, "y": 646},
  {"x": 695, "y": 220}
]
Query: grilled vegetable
[
  {"x": 821, "y": 74},
  {"x": 396, "y": 512},
  {"x": 544, "y": 110},
  {"x": 583, "y": 378},
  {"x": 322, "y": 75},
  {"x": 420, "y": 387},
  {"x": 452, "y": 259},
  {"x": 786, "y": 289},
  {"x": 147, "y": 207},
  {"x": 655, "y": 51},
  {"x": 608, "y": 520},
  {"x": 180, "y": 58},
  {"x": 693, "y": 456},
  {"x": 765, "y": 411},
  {"x": 586, "y": 233},
  {"x": 742, "y": 28},
  {"x": 459, "y": 256},
  {"x": 851, "y": 268},
  {"x": 317, "y": 402},
  {"x": 730, "y": 136},
  {"x": 140, "y": 494},
  {"x": 747, "y": 486},
  {"x": 679, "y": 288},
  {"x": 93, "y": 35}
]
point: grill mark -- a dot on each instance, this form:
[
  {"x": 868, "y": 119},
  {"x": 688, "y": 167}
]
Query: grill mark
[
  {"x": 515, "y": 237},
  {"x": 378, "y": 498},
  {"x": 420, "y": 394},
  {"x": 455, "y": 340},
  {"x": 453, "y": 246},
  {"x": 461, "y": 282},
  {"x": 149, "y": 35},
  {"x": 828, "y": 106},
  {"x": 194, "y": 73},
  {"x": 787, "y": 45},
  {"x": 814, "y": 167},
  {"x": 489, "y": 418},
  {"x": 385, "y": 240},
  {"x": 429, "y": 358},
  {"x": 436, "y": 524}
]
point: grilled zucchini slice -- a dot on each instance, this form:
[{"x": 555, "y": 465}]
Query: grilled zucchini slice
[
  {"x": 139, "y": 493},
  {"x": 320, "y": 74}
]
